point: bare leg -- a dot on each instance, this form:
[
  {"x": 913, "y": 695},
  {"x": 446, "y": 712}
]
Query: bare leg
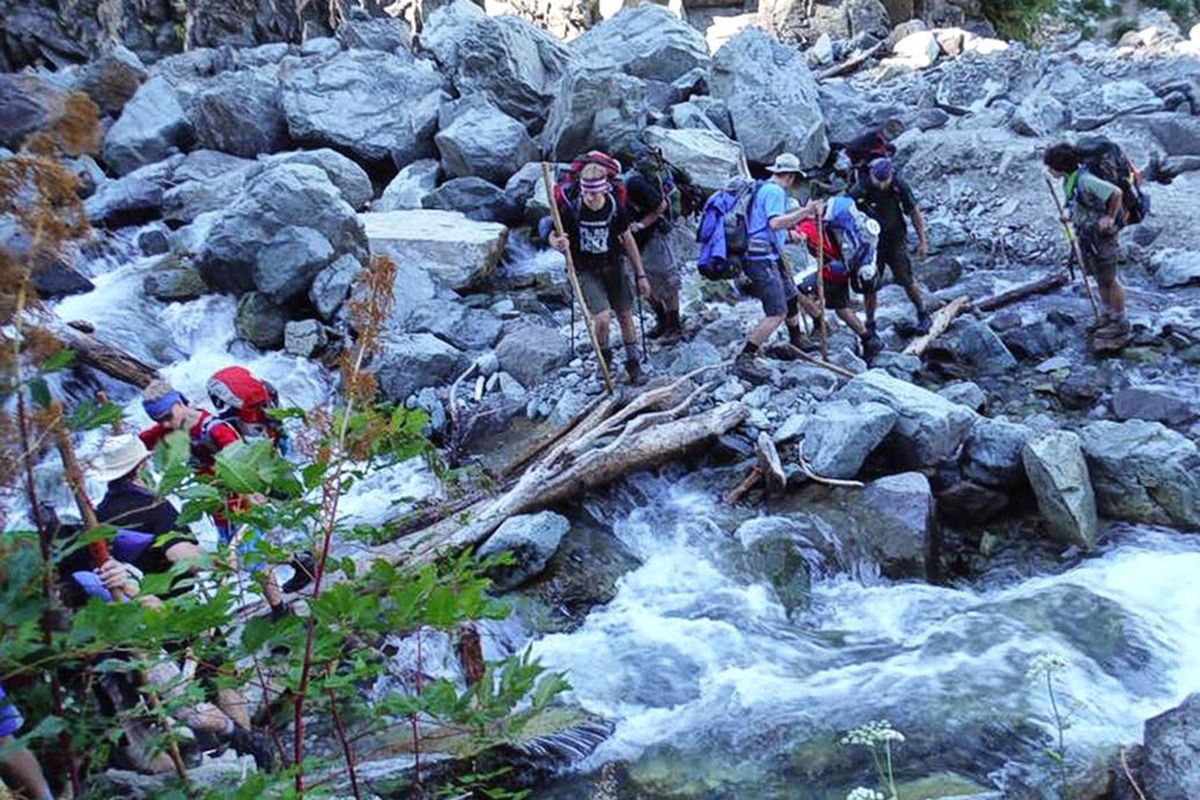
[
  {"x": 914, "y": 296},
  {"x": 1113, "y": 297},
  {"x": 603, "y": 320},
  {"x": 870, "y": 301},
  {"x": 764, "y": 329},
  {"x": 628, "y": 329},
  {"x": 231, "y": 702},
  {"x": 850, "y": 318},
  {"x": 22, "y": 771}
]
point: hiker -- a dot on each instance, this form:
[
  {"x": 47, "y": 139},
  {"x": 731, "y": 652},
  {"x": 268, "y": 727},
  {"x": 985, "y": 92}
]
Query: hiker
[
  {"x": 1096, "y": 207},
  {"x": 837, "y": 275},
  {"x": 767, "y": 223},
  {"x": 887, "y": 198},
  {"x": 18, "y": 766},
  {"x": 596, "y": 227},
  {"x": 655, "y": 202},
  {"x": 874, "y": 143}
]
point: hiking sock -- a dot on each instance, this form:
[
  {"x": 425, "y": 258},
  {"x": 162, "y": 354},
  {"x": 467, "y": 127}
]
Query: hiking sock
[
  {"x": 749, "y": 352},
  {"x": 661, "y": 320},
  {"x": 796, "y": 337},
  {"x": 633, "y": 362}
]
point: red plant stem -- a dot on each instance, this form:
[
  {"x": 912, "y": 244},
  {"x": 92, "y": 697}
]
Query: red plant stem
[
  {"x": 347, "y": 748},
  {"x": 416, "y": 723}
]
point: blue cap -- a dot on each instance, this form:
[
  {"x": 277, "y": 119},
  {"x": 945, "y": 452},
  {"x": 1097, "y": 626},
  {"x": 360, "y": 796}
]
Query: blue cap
[
  {"x": 157, "y": 409},
  {"x": 882, "y": 169}
]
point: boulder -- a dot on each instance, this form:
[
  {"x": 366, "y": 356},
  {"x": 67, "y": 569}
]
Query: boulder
[
  {"x": 772, "y": 98},
  {"x": 1106, "y": 102},
  {"x": 332, "y": 285},
  {"x": 476, "y": 198},
  {"x": 977, "y": 345},
  {"x": 516, "y": 64},
  {"x": 154, "y": 241},
  {"x": 203, "y": 181},
  {"x": 971, "y": 83},
  {"x": 1059, "y": 476},
  {"x": 274, "y": 197},
  {"x": 648, "y": 42},
  {"x": 1035, "y": 342},
  {"x": 778, "y": 549},
  {"x": 350, "y": 179},
  {"x": 411, "y": 361},
  {"x": 1144, "y": 472},
  {"x": 1157, "y": 403},
  {"x": 531, "y": 539},
  {"x": 992, "y": 453},
  {"x": 839, "y": 436},
  {"x": 126, "y": 201},
  {"x": 483, "y": 141},
  {"x": 112, "y": 79},
  {"x": 706, "y": 113},
  {"x": 372, "y": 105},
  {"x": 455, "y": 251},
  {"x": 896, "y": 526},
  {"x": 940, "y": 272},
  {"x": 259, "y": 321},
  {"x": 531, "y": 353},
  {"x": 28, "y": 104},
  {"x": 918, "y": 50},
  {"x": 286, "y": 265},
  {"x": 527, "y": 190},
  {"x": 971, "y": 505},
  {"x": 1173, "y": 267},
  {"x": 708, "y": 156},
  {"x": 1171, "y": 760},
  {"x": 928, "y": 428},
  {"x": 409, "y": 186},
  {"x": 387, "y": 33},
  {"x": 151, "y": 127},
  {"x": 240, "y": 113},
  {"x": 469, "y": 329},
  {"x": 594, "y": 108},
  {"x": 965, "y": 393},
  {"x": 304, "y": 337},
  {"x": 58, "y": 279},
  {"x": 1039, "y": 114},
  {"x": 320, "y": 46},
  {"x": 174, "y": 285}
]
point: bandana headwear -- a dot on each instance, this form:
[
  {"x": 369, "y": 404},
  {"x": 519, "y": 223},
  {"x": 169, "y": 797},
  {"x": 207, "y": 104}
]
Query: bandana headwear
[
  {"x": 157, "y": 409},
  {"x": 881, "y": 169},
  {"x": 594, "y": 185}
]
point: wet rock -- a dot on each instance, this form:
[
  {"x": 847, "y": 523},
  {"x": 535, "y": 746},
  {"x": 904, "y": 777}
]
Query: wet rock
[
  {"x": 151, "y": 127},
  {"x": 839, "y": 436},
  {"x": 476, "y": 198},
  {"x": 154, "y": 241},
  {"x": 321, "y": 46},
  {"x": 516, "y": 64},
  {"x": 897, "y": 525},
  {"x": 466, "y": 328},
  {"x": 1144, "y": 472},
  {"x": 410, "y": 186},
  {"x": 1059, "y": 476},
  {"x": 240, "y": 113},
  {"x": 648, "y": 42},
  {"x": 112, "y": 79},
  {"x": 940, "y": 272},
  {"x": 1171, "y": 764},
  {"x": 453, "y": 250},
  {"x": 485, "y": 142},
  {"x": 594, "y": 108},
  {"x": 174, "y": 285},
  {"x": 977, "y": 345},
  {"x": 1174, "y": 267},
  {"x": 772, "y": 98},
  {"x": 259, "y": 321},
  {"x": 388, "y": 34},
  {"x": 965, "y": 393},
  {"x": 531, "y": 539},
  {"x": 992, "y": 453},
  {"x": 1035, "y": 342},
  {"x": 336, "y": 103},
  {"x": 1157, "y": 403},
  {"x": 126, "y": 201},
  {"x": 286, "y": 265},
  {"x": 527, "y": 190},
  {"x": 928, "y": 429},
  {"x": 58, "y": 279},
  {"x": 708, "y": 156},
  {"x": 332, "y": 285},
  {"x": 411, "y": 361},
  {"x": 971, "y": 505},
  {"x": 1080, "y": 391},
  {"x": 1105, "y": 103},
  {"x": 532, "y": 353},
  {"x": 304, "y": 337},
  {"x": 777, "y": 550},
  {"x": 351, "y": 180}
]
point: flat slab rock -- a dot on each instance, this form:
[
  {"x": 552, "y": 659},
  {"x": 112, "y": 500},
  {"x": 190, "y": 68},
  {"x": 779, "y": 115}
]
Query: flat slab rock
[{"x": 453, "y": 250}]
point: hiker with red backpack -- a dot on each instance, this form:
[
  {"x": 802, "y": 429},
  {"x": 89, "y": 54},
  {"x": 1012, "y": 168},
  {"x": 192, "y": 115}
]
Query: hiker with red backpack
[
  {"x": 838, "y": 274},
  {"x": 597, "y": 229}
]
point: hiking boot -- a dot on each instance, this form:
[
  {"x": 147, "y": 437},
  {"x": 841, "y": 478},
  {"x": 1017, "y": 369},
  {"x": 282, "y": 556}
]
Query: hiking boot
[
  {"x": 798, "y": 340},
  {"x": 872, "y": 345},
  {"x": 751, "y": 369},
  {"x": 674, "y": 331},
  {"x": 1103, "y": 321},
  {"x": 607, "y": 353},
  {"x": 304, "y": 567},
  {"x": 1113, "y": 327},
  {"x": 662, "y": 320},
  {"x": 633, "y": 371},
  {"x": 252, "y": 743},
  {"x": 924, "y": 322}
]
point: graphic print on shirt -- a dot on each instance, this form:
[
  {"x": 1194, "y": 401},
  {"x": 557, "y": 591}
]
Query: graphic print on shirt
[{"x": 593, "y": 236}]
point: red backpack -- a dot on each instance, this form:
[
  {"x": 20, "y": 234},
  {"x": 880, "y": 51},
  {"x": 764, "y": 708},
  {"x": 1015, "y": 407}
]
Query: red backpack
[
  {"x": 243, "y": 401},
  {"x": 566, "y": 192}
]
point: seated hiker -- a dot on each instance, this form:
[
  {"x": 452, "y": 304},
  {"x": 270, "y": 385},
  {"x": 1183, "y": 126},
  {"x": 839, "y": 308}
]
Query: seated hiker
[
  {"x": 767, "y": 224},
  {"x": 18, "y": 767},
  {"x": 837, "y": 277},
  {"x": 887, "y": 198},
  {"x": 596, "y": 228},
  {"x": 1095, "y": 206}
]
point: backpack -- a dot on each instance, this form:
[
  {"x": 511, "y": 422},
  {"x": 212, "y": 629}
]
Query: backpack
[
  {"x": 726, "y": 221},
  {"x": 1106, "y": 160},
  {"x": 242, "y": 401},
  {"x": 566, "y": 191},
  {"x": 857, "y": 234}
]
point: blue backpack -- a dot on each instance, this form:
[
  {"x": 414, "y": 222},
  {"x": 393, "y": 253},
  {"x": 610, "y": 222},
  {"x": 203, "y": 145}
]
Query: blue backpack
[{"x": 724, "y": 231}]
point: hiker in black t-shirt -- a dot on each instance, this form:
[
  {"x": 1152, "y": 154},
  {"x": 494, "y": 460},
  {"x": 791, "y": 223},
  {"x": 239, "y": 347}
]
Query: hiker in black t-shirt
[
  {"x": 887, "y": 198},
  {"x": 597, "y": 229},
  {"x": 655, "y": 200}
]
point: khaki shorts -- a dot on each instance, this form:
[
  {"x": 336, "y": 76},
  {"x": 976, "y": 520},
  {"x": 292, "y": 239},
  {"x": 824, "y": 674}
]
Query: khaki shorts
[{"x": 605, "y": 288}]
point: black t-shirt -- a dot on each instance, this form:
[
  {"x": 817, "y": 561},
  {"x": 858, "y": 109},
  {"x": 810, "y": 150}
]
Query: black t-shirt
[
  {"x": 595, "y": 234},
  {"x": 127, "y": 505},
  {"x": 644, "y": 198},
  {"x": 886, "y": 206}
]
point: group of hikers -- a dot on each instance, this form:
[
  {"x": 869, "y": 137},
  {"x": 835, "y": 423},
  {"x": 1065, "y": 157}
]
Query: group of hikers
[{"x": 855, "y": 222}]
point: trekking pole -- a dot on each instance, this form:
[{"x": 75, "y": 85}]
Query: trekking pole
[
  {"x": 1073, "y": 240},
  {"x": 821, "y": 283},
  {"x": 642, "y": 324},
  {"x": 574, "y": 279}
]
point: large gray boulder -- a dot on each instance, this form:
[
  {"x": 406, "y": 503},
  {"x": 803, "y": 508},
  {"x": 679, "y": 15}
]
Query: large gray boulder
[
  {"x": 388, "y": 34},
  {"x": 375, "y": 106},
  {"x": 125, "y": 201},
  {"x": 839, "y": 436},
  {"x": 928, "y": 429},
  {"x": 409, "y": 362},
  {"x": 1174, "y": 267},
  {"x": 260, "y": 321},
  {"x": 1106, "y": 102},
  {"x": 1171, "y": 762},
  {"x": 275, "y": 196},
  {"x": 483, "y": 141},
  {"x": 780, "y": 550},
  {"x": 531, "y": 539},
  {"x": 594, "y": 109},
  {"x": 453, "y": 250},
  {"x": 1144, "y": 472},
  {"x": 466, "y": 328},
  {"x": 708, "y": 156},
  {"x": 27, "y": 104},
  {"x": 240, "y": 113},
  {"x": 977, "y": 346},
  {"x": 350, "y": 179},
  {"x": 410, "y": 186},
  {"x": 204, "y": 181},
  {"x": 1165, "y": 403},
  {"x": 648, "y": 42},
  {"x": 993, "y": 453},
  {"x": 532, "y": 353},
  {"x": 772, "y": 98},
  {"x": 286, "y": 265},
  {"x": 896, "y": 526},
  {"x": 477, "y": 199},
  {"x": 112, "y": 79},
  {"x": 332, "y": 285},
  {"x": 514, "y": 63},
  {"x": 151, "y": 127},
  {"x": 1059, "y": 476}
]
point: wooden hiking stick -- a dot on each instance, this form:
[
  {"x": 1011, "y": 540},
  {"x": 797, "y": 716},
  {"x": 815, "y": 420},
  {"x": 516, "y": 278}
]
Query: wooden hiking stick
[
  {"x": 1073, "y": 240},
  {"x": 587, "y": 315},
  {"x": 821, "y": 281}
]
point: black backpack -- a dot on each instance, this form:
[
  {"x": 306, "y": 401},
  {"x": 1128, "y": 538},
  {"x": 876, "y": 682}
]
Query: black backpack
[{"x": 1105, "y": 159}]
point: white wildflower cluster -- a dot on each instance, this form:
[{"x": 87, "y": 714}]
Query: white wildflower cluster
[
  {"x": 1045, "y": 664},
  {"x": 873, "y": 734},
  {"x": 863, "y": 793}
]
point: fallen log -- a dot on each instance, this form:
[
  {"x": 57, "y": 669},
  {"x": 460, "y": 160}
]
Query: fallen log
[
  {"x": 769, "y": 464},
  {"x": 101, "y": 356},
  {"x": 742, "y": 489},
  {"x": 941, "y": 321},
  {"x": 850, "y": 64},
  {"x": 1017, "y": 293}
]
